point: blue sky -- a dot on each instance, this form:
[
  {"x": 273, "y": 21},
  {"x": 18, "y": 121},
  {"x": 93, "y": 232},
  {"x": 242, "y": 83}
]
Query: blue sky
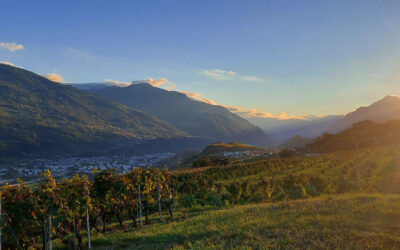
[{"x": 299, "y": 57}]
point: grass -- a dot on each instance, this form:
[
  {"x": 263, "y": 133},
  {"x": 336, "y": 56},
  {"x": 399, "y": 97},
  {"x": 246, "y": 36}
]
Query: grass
[{"x": 354, "y": 221}]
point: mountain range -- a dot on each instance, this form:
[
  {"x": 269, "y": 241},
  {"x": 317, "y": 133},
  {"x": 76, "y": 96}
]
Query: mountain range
[
  {"x": 282, "y": 130},
  {"x": 41, "y": 116},
  {"x": 191, "y": 116},
  {"x": 38, "y": 115},
  {"x": 383, "y": 110}
]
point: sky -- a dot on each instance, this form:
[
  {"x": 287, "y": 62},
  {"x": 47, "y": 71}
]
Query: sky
[{"x": 260, "y": 57}]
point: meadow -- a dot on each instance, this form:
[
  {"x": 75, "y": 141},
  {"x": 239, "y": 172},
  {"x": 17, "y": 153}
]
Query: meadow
[{"x": 355, "y": 221}]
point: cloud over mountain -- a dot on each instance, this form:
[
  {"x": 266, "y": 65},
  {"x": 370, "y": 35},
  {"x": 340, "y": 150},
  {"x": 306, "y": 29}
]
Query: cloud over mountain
[
  {"x": 198, "y": 97},
  {"x": 55, "y": 77},
  {"x": 256, "y": 112},
  {"x": 156, "y": 82},
  {"x": 117, "y": 83}
]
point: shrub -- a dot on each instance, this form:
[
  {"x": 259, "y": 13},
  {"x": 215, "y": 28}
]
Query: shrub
[
  {"x": 214, "y": 200},
  {"x": 297, "y": 192},
  {"x": 203, "y": 161},
  {"x": 311, "y": 190},
  {"x": 278, "y": 194},
  {"x": 319, "y": 183},
  {"x": 235, "y": 192},
  {"x": 188, "y": 200}
]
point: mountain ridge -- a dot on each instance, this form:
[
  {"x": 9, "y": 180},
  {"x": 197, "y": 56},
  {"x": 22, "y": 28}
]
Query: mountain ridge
[
  {"x": 194, "y": 117},
  {"x": 387, "y": 108},
  {"x": 39, "y": 115}
]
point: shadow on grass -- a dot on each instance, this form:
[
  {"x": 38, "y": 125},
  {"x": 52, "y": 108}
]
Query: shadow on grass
[{"x": 157, "y": 241}]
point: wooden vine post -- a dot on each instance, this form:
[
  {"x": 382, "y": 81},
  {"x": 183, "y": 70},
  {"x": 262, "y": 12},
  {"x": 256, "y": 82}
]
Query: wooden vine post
[
  {"x": 87, "y": 218},
  {"x": 159, "y": 197}
]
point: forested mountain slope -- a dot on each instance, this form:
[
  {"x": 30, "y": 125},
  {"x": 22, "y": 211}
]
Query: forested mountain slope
[{"x": 38, "y": 115}]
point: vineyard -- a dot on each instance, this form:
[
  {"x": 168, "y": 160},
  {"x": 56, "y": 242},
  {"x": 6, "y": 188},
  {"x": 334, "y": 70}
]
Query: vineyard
[{"x": 60, "y": 212}]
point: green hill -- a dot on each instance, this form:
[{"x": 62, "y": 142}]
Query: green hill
[
  {"x": 185, "y": 159},
  {"x": 194, "y": 117},
  {"x": 219, "y": 147},
  {"x": 295, "y": 142},
  {"x": 38, "y": 115},
  {"x": 365, "y": 134}
]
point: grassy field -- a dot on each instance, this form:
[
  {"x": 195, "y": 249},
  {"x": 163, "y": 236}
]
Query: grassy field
[{"x": 354, "y": 221}]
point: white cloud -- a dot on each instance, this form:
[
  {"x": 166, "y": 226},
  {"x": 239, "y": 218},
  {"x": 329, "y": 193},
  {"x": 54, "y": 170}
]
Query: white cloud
[
  {"x": 171, "y": 86},
  {"x": 198, "y": 97},
  {"x": 55, "y": 77},
  {"x": 246, "y": 113},
  {"x": 250, "y": 78},
  {"x": 11, "y": 46},
  {"x": 156, "y": 82},
  {"x": 220, "y": 74},
  {"x": 79, "y": 53},
  {"x": 256, "y": 112},
  {"x": 117, "y": 83}
]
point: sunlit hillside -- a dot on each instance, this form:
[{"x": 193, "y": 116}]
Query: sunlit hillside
[{"x": 300, "y": 202}]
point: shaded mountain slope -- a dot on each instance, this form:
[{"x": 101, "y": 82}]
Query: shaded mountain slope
[
  {"x": 194, "y": 117},
  {"x": 38, "y": 115},
  {"x": 365, "y": 134},
  {"x": 383, "y": 110},
  {"x": 296, "y": 141}
]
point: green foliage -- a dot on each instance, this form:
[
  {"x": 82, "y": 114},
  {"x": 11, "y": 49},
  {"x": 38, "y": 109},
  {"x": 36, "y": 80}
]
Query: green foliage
[
  {"x": 26, "y": 209},
  {"x": 297, "y": 191},
  {"x": 286, "y": 153},
  {"x": 215, "y": 200},
  {"x": 203, "y": 161},
  {"x": 188, "y": 200}
]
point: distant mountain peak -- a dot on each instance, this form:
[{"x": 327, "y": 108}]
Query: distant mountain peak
[
  {"x": 388, "y": 100},
  {"x": 387, "y": 108}
]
